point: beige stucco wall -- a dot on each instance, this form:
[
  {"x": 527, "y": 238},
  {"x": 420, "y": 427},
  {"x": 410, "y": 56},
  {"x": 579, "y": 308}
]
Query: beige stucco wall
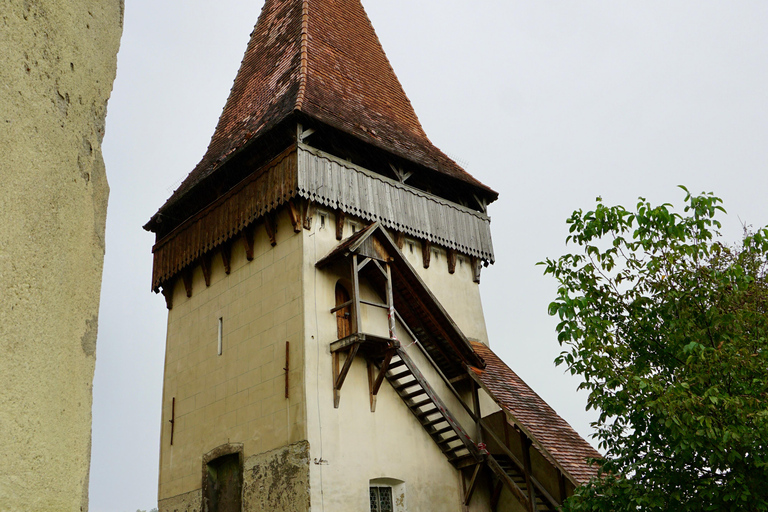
[
  {"x": 57, "y": 65},
  {"x": 355, "y": 445},
  {"x": 238, "y": 396}
]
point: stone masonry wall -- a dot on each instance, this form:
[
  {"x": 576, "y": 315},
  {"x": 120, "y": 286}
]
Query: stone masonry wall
[{"x": 57, "y": 65}]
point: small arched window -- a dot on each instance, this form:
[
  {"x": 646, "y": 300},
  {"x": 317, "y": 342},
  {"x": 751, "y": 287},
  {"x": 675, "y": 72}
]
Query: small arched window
[{"x": 343, "y": 315}]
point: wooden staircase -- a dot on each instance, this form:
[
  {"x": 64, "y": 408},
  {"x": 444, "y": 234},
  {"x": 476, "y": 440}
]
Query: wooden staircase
[
  {"x": 517, "y": 477},
  {"x": 429, "y": 409}
]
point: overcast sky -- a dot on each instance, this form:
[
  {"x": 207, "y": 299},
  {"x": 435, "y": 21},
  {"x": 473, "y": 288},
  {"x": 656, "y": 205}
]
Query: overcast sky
[{"x": 549, "y": 103}]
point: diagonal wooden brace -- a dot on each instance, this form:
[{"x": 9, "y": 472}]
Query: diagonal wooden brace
[{"x": 340, "y": 376}]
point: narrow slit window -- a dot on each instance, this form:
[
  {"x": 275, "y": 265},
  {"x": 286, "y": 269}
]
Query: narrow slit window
[{"x": 220, "y": 336}]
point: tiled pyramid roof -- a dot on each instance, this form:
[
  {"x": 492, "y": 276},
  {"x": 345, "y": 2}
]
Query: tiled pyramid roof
[
  {"x": 544, "y": 426},
  {"x": 321, "y": 58}
]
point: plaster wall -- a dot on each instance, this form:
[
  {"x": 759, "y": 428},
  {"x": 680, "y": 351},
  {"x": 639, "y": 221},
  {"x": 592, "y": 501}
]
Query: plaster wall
[
  {"x": 350, "y": 446},
  {"x": 457, "y": 292},
  {"x": 57, "y": 66},
  {"x": 238, "y": 396}
]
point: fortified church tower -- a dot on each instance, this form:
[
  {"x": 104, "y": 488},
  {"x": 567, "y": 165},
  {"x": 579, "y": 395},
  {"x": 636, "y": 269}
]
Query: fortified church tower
[{"x": 326, "y": 345}]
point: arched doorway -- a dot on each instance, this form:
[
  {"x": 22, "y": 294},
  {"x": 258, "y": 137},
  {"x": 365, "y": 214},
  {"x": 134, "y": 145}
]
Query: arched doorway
[{"x": 343, "y": 315}]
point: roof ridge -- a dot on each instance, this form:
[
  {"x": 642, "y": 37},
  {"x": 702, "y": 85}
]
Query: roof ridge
[{"x": 304, "y": 66}]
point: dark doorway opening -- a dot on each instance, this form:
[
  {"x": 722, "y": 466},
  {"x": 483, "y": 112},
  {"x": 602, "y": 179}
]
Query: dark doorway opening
[
  {"x": 224, "y": 484},
  {"x": 343, "y": 315}
]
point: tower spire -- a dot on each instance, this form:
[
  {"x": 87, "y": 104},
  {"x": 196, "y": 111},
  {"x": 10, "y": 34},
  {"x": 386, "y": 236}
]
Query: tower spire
[{"x": 322, "y": 59}]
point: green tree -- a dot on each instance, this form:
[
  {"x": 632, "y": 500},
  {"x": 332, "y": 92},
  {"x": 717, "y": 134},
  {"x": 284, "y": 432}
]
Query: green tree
[{"x": 668, "y": 328}]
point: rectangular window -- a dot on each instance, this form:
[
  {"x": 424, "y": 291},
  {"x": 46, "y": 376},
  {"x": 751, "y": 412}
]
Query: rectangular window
[
  {"x": 221, "y": 335},
  {"x": 381, "y": 499}
]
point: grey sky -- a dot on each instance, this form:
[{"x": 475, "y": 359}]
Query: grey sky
[{"x": 549, "y": 103}]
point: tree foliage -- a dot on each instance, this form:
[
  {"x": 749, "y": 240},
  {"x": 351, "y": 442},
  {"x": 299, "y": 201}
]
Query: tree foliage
[{"x": 668, "y": 328}]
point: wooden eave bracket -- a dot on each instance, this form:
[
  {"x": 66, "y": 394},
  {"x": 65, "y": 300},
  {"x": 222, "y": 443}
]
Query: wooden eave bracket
[
  {"x": 426, "y": 252},
  {"x": 295, "y": 213},
  {"x": 248, "y": 241},
  {"x": 205, "y": 264},
  {"x": 400, "y": 239},
  {"x": 186, "y": 276},
  {"x": 226, "y": 256},
  {"x": 270, "y": 223},
  {"x": 451, "y": 261},
  {"x": 167, "y": 290},
  {"x": 340, "y": 216},
  {"x": 309, "y": 212}
]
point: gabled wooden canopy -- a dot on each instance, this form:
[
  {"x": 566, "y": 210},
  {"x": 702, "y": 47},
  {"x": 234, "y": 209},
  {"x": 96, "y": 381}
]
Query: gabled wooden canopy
[{"x": 418, "y": 307}]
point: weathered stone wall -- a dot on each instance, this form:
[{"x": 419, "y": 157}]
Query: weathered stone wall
[
  {"x": 189, "y": 502},
  {"x": 57, "y": 65},
  {"x": 277, "y": 481}
]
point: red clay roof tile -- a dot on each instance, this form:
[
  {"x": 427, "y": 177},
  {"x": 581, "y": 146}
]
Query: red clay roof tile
[
  {"x": 546, "y": 428},
  {"x": 321, "y": 58}
]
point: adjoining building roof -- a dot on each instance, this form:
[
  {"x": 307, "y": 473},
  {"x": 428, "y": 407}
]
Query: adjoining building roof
[
  {"x": 320, "y": 58},
  {"x": 551, "y": 433}
]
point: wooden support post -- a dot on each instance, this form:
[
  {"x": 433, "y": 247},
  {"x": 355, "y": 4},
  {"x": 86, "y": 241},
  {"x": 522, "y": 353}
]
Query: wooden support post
[
  {"x": 472, "y": 485},
  {"x": 309, "y": 212},
  {"x": 287, "y": 366},
  {"x": 426, "y": 252},
  {"x": 340, "y": 216},
  {"x": 371, "y": 378},
  {"x": 525, "y": 443},
  {"x": 172, "y": 421},
  {"x": 186, "y": 276},
  {"x": 336, "y": 395},
  {"x": 476, "y": 407},
  {"x": 357, "y": 328},
  {"x": 495, "y": 496},
  {"x": 390, "y": 305},
  {"x": 295, "y": 213},
  {"x": 226, "y": 256},
  {"x": 167, "y": 291},
  {"x": 248, "y": 241},
  {"x": 270, "y": 223},
  {"x": 400, "y": 239},
  {"x": 205, "y": 263},
  {"x": 451, "y": 261}
]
